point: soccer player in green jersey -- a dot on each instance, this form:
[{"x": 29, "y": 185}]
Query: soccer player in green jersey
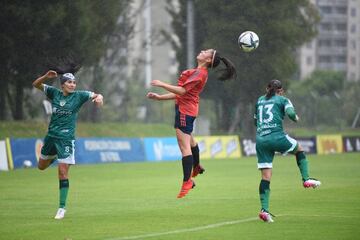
[
  {"x": 270, "y": 138},
  {"x": 59, "y": 142}
]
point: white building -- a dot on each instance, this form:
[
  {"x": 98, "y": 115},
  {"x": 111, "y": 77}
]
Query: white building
[
  {"x": 337, "y": 45},
  {"x": 149, "y": 53}
]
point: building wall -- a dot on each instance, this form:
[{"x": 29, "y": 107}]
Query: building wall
[
  {"x": 353, "y": 67},
  {"x": 336, "y": 46}
]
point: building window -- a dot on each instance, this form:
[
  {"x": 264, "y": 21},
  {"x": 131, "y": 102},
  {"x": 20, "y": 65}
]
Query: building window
[
  {"x": 340, "y": 43},
  {"x": 353, "y": 28},
  {"x": 325, "y": 9},
  {"x": 353, "y": 44},
  {"x": 353, "y": 61},
  {"x": 324, "y": 59},
  {"x": 309, "y": 60},
  {"x": 324, "y": 43},
  {"x": 309, "y": 45},
  {"x": 326, "y": 26},
  {"x": 341, "y": 10},
  {"x": 353, "y": 12},
  {"x": 341, "y": 27},
  {"x": 340, "y": 59}
]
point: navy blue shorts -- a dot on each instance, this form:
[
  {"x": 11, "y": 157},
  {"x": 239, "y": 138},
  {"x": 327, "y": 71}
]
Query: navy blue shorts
[{"x": 183, "y": 122}]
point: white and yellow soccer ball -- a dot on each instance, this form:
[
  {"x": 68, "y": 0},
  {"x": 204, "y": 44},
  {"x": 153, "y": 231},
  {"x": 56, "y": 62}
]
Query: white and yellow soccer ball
[{"x": 248, "y": 41}]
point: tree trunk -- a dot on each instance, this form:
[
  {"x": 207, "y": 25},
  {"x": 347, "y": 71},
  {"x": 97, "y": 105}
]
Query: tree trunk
[
  {"x": 3, "y": 98},
  {"x": 19, "y": 96},
  {"x": 235, "y": 122}
]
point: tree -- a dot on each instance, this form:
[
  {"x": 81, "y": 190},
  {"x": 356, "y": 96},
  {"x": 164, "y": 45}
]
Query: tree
[
  {"x": 324, "y": 99},
  {"x": 282, "y": 26},
  {"x": 35, "y": 30}
]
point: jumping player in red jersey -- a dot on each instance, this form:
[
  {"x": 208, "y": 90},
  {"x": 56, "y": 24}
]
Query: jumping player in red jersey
[{"x": 186, "y": 94}]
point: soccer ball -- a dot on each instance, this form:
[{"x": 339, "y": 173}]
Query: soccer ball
[
  {"x": 27, "y": 164},
  {"x": 248, "y": 41}
]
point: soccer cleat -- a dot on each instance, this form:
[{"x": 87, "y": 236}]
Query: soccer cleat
[
  {"x": 311, "y": 182},
  {"x": 198, "y": 169},
  {"x": 185, "y": 188},
  {"x": 60, "y": 214},
  {"x": 266, "y": 216}
]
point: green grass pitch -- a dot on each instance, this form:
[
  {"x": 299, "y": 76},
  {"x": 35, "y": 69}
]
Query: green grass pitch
[{"x": 138, "y": 201}]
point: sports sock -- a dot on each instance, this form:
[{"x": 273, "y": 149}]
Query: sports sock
[
  {"x": 187, "y": 163},
  {"x": 302, "y": 163},
  {"x": 264, "y": 192},
  {"x": 196, "y": 156},
  {"x": 64, "y": 188}
]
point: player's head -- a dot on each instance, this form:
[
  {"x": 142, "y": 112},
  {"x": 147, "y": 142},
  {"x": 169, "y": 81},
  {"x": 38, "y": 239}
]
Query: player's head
[
  {"x": 274, "y": 87},
  {"x": 68, "y": 82},
  {"x": 65, "y": 67},
  {"x": 212, "y": 58}
]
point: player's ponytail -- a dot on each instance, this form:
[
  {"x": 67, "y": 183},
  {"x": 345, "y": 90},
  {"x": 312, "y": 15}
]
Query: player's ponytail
[
  {"x": 229, "y": 72},
  {"x": 272, "y": 88},
  {"x": 62, "y": 65}
]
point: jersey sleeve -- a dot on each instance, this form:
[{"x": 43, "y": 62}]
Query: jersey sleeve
[
  {"x": 50, "y": 91},
  {"x": 85, "y": 96},
  {"x": 290, "y": 110}
]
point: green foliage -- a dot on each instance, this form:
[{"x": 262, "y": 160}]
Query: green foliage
[
  {"x": 282, "y": 25},
  {"x": 36, "y": 129},
  {"x": 325, "y": 100},
  {"x": 37, "y": 30}
]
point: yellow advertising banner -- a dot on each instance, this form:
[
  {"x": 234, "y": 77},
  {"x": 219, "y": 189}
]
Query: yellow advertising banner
[
  {"x": 327, "y": 144},
  {"x": 219, "y": 147}
]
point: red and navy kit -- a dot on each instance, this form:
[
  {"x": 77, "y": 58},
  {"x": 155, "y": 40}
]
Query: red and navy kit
[
  {"x": 193, "y": 80},
  {"x": 187, "y": 105}
]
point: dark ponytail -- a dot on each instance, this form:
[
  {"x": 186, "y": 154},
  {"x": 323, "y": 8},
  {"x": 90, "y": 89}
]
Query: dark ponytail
[
  {"x": 272, "y": 88},
  {"x": 229, "y": 72},
  {"x": 66, "y": 64}
]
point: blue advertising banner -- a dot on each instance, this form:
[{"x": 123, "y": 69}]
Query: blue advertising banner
[
  {"x": 87, "y": 150},
  {"x": 25, "y": 151},
  {"x": 308, "y": 144},
  {"x": 160, "y": 149},
  {"x": 100, "y": 150}
]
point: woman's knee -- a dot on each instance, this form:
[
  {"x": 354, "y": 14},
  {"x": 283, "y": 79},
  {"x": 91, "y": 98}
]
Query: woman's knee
[{"x": 43, "y": 164}]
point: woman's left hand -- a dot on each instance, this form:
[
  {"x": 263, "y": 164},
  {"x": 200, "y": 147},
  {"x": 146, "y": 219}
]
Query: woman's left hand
[{"x": 98, "y": 100}]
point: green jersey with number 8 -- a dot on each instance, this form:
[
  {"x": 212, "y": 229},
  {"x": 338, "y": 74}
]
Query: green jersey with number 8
[{"x": 269, "y": 114}]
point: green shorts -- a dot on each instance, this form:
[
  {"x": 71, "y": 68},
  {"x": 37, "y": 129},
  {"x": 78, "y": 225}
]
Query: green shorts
[
  {"x": 267, "y": 145},
  {"x": 62, "y": 149}
]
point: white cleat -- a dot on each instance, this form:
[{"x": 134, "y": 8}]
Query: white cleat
[
  {"x": 60, "y": 214},
  {"x": 265, "y": 216},
  {"x": 312, "y": 182}
]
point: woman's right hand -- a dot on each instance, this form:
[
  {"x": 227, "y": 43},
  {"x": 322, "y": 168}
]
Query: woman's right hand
[
  {"x": 51, "y": 74},
  {"x": 156, "y": 83},
  {"x": 152, "y": 95}
]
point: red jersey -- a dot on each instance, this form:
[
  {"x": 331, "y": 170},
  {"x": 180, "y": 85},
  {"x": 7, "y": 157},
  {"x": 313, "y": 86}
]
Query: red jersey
[{"x": 193, "y": 80}]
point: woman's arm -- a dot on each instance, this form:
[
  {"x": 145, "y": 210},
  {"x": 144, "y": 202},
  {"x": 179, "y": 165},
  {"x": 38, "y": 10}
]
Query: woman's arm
[
  {"x": 98, "y": 99},
  {"x": 171, "y": 88},
  {"x": 38, "y": 83},
  {"x": 155, "y": 96}
]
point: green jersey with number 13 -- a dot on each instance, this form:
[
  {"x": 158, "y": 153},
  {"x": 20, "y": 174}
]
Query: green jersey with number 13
[{"x": 269, "y": 114}]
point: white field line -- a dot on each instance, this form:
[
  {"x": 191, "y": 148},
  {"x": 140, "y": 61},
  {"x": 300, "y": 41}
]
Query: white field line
[
  {"x": 216, "y": 225},
  {"x": 185, "y": 230}
]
